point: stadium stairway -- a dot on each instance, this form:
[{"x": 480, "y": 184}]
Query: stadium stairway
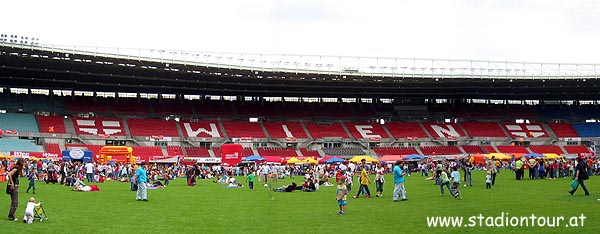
[{"x": 126, "y": 127}]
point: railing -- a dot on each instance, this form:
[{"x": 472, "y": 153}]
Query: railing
[{"x": 341, "y": 65}]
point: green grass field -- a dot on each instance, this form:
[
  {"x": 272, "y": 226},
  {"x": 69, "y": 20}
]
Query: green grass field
[{"x": 208, "y": 208}]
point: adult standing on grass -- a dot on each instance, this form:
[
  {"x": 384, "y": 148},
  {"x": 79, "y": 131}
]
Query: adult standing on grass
[
  {"x": 142, "y": 183},
  {"x": 89, "y": 172},
  {"x": 491, "y": 167},
  {"x": 364, "y": 181},
  {"x": 581, "y": 174},
  {"x": 13, "y": 188},
  {"x": 399, "y": 190}
]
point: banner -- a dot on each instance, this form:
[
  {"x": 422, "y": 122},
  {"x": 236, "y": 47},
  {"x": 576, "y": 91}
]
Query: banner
[
  {"x": 77, "y": 154},
  {"x": 24, "y": 154},
  {"x": 231, "y": 154}
]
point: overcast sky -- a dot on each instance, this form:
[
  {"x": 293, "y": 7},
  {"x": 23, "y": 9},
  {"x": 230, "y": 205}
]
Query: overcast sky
[{"x": 504, "y": 30}]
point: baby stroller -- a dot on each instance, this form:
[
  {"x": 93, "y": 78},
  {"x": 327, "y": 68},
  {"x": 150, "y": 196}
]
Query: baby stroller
[{"x": 40, "y": 213}]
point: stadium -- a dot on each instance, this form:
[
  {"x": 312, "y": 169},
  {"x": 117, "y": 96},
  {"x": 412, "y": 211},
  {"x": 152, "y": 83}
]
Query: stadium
[{"x": 183, "y": 107}]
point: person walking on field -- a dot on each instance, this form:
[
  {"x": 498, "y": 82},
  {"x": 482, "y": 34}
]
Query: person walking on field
[
  {"x": 13, "y": 188},
  {"x": 364, "y": 181},
  {"x": 581, "y": 174},
  {"x": 399, "y": 190}
]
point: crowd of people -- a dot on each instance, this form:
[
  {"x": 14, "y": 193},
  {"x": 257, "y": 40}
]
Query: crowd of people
[{"x": 445, "y": 173}]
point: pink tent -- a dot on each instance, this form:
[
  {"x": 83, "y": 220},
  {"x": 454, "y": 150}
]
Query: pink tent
[{"x": 391, "y": 158}]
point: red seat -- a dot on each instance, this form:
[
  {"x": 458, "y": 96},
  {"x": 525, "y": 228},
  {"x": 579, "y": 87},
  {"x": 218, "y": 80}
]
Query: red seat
[
  {"x": 51, "y": 124},
  {"x": 483, "y": 129}
]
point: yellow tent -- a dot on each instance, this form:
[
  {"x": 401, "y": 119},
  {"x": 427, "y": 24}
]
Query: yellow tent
[
  {"x": 366, "y": 157},
  {"x": 552, "y": 156},
  {"x": 310, "y": 161},
  {"x": 294, "y": 160},
  {"x": 498, "y": 156}
]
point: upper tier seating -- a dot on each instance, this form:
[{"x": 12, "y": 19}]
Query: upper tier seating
[
  {"x": 256, "y": 109},
  {"x": 210, "y": 108},
  {"x": 86, "y": 104},
  {"x": 552, "y": 112},
  {"x": 318, "y": 131},
  {"x": 127, "y": 106},
  {"x": 282, "y": 152},
  {"x": 406, "y": 129},
  {"x": 285, "y": 129},
  {"x": 440, "y": 150},
  {"x": 545, "y": 149},
  {"x": 18, "y": 122},
  {"x": 51, "y": 124},
  {"x": 587, "y": 129},
  {"x": 95, "y": 126},
  {"x": 512, "y": 149},
  {"x": 171, "y": 107},
  {"x": 444, "y": 130},
  {"x": 474, "y": 149},
  {"x": 238, "y": 129},
  {"x": 297, "y": 110},
  {"x": 563, "y": 129},
  {"x": 366, "y": 130},
  {"x": 202, "y": 128},
  {"x": 152, "y": 127},
  {"x": 380, "y": 151},
  {"x": 483, "y": 129},
  {"x": 334, "y": 110},
  {"x": 534, "y": 130}
]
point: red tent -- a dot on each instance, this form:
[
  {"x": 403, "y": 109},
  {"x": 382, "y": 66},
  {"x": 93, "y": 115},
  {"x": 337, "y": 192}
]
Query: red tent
[
  {"x": 390, "y": 158},
  {"x": 274, "y": 159}
]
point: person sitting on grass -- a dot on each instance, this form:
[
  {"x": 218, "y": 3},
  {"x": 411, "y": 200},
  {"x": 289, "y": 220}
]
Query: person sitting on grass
[{"x": 286, "y": 188}]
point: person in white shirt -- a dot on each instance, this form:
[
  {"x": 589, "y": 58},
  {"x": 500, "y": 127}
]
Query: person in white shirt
[
  {"x": 89, "y": 172},
  {"x": 28, "y": 218}
]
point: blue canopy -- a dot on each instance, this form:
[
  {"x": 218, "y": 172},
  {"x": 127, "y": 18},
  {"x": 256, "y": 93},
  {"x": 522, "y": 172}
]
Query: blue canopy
[
  {"x": 414, "y": 157},
  {"x": 335, "y": 160},
  {"x": 254, "y": 158},
  {"x": 533, "y": 155}
]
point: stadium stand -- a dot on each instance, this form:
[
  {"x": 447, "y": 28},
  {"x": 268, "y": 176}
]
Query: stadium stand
[
  {"x": 350, "y": 151},
  {"x": 444, "y": 130},
  {"x": 95, "y": 149},
  {"x": 483, "y": 129},
  {"x": 171, "y": 107},
  {"x": 246, "y": 151},
  {"x": 9, "y": 144},
  {"x": 366, "y": 130},
  {"x": 531, "y": 130},
  {"x": 210, "y": 108},
  {"x": 202, "y": 128},
  {"x": 440, "y": 150},
  {"x": 380, "y": 151},
  {"x": 285, "y": 129},
  {"x": 99, "y": 125},
  {"x": 126, "y": 106},
  {"x": 512, "y": 149},
  {"x": 53, "y": 148},
  {"x": 86, "y": 105},
  {"x": 587, "y": 129},
  {"x": 490, "y": 149},
  {"x": 152, "y": 127},
  {"x": 240, "y": 129},
  {"x": 174, "y": 150},
  {"x": 321, "y": 130},
  {"x": 282, "y": 152},
  {"x": 576, "y": 149},
  {"x": 406, "y": 129},
  {"x": 309, "y": 153},
  {"x": 474, "y": 149},
  {"x": 18, "y": 122},
  {"x": 545, "y": 149},
  {"x": 51, "y": 124},
  {"x": 563, "y": 129},
  {"x": 197, "y": 152}
]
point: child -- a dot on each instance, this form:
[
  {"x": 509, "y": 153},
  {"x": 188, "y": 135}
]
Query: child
[
  {"x": 488, "y": 180},
  {"x": 31, "y": 178},
  {"x": 167, "y": 177},
  {"x": 340, "y": 195},
  {"x": 250, "y": 180},
  {"x": 28, "y": 218},
  {"x": 456, "y": 183}
]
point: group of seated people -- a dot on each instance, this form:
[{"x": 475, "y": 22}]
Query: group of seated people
[{"x": 308, "y": 185}]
